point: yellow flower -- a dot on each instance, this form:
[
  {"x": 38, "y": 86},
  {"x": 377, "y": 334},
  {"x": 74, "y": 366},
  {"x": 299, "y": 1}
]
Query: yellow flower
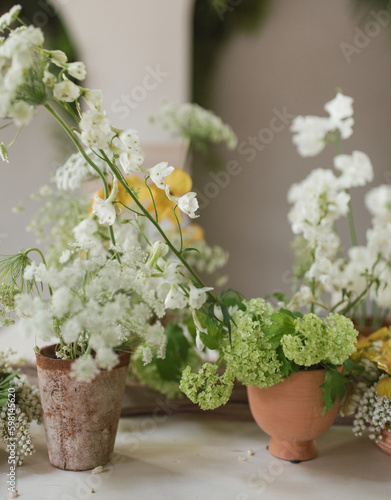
[{"x": 179, "y": 183}]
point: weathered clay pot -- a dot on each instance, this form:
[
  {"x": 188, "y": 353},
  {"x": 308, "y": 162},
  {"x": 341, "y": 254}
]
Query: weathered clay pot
[
  {"x": 291, "y": 413},
  {"x": 385, "y": 443},
  {"x": 80, "y": 418}
]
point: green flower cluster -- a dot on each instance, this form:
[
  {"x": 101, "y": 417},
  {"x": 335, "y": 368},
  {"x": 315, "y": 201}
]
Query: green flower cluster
[
  {"x": 314, "y": 341},
  {"x": 207, "y": 388},
  {"x": 252, "y": 358}
]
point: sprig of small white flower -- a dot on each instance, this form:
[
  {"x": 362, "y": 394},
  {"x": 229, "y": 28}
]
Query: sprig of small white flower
[
  {"x": 373, "y": 414},
  {"x": 323, "y": 198},
  {"x": 27, "y": 409},
  {"x": 192, "y": 122}
]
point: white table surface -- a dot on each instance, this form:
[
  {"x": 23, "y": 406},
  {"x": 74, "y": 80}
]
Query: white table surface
[{"x": 191, "y": 458}]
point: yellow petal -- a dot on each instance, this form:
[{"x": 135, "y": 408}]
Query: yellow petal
[
  {"x": 381, "y": 334},
  {"x": 383, "y": 388},
  {"x": 179, "y": 182}
]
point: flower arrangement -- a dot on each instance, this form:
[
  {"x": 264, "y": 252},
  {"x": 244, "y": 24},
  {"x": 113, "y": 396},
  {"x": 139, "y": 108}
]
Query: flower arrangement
[
  {"x": 370, "y": 394},
  {"x": 19, "y": 406},
  {"x": 326, "y": 274},
  {"x": 267, "y": 346},
  {"x": 119, "y": 265}
]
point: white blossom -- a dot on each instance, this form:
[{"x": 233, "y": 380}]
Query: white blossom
[
  {"x": 66, "y": 91},
  {"x": 9, "y": 17},
  {"x": 147, "y": 355},
  {"x": 21, "y": 113},
  {"x": 131, "y": 161},
  {"x": 309, "y": 134},
  {"x": 84, "y": 369},
  {"x": 96, "y": 129},
  {"x": 93, "y": 98},
  {"x": 159, "y": 172},
  {"x": 188, "y": 204},
  {"x": 77, "y": 70},
  {"x": 341, "y": 111},
  {"x": 176, "y": 298},
  {"x": 106, "y": 358},
  {"x": 198, "y": 296},
  {"x": 104, "y": 210},
  {"x": 356, "y": 169},
  {"x": 378, "y": 202}
]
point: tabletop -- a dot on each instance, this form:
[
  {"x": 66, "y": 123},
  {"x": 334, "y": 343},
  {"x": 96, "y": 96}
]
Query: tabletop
[{"x": 180, "y": 457}]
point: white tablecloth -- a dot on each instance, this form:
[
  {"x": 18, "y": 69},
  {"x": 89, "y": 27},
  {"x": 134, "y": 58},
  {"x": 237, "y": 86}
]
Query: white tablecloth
[{"x": 190, "y": 458}]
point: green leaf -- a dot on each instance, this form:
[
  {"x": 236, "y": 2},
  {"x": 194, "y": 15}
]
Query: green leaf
[
  {"x": 334, "y": 387},
  {"x": 351, "y": 367},
  {"x": 283, "y": 324},
  {"x": 215, "y": 336},
  {"x": 190, "y": 249},
  {"x": 287, "y": 366},
  {"x": 170, "y": 368}
]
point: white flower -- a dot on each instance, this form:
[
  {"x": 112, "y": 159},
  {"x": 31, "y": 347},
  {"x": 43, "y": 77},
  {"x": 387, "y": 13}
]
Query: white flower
[
  {"x": 104, "y": 210},
  {"x": 131, "y": 161},
  {"x": 198, "y": 296},
  {"x": 188, "y": 204},
  {"x": 84, "y": 369},
  {"x": 96, "y": 129},
  {"x": 64, "y": 302},
  {"x": 378, "y": 202},
  {"x": 129, "y": 138},
  {"x": 9, "y": 17},
  {"x": 341, "y": 111},
  {"x": 65, "y": 256},
  {"x": 84, "y": 233},
  {"x": 93, "y": 98},
  {"x": 310, "y": 133},
  {"x": 356, "y": 169},
  {"x": 21, "y": 112},
  {"x": 49, "y": 79},
  {"x": 147, "y": 355},
  {"x": 159, "y": 172},
  {"x": 106, "y": 358},
  {"x": 77, "y": 70},
  {"x": 175, "y": 299},
  {"x": 66, "y": 91},
  {"x": 58, "y": 56}
]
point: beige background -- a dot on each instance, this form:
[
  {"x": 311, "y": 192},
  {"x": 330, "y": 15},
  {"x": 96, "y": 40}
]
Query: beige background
[{"x": 294, "y": 62}]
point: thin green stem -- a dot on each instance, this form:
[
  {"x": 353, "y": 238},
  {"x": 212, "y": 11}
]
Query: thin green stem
[
  {"x": 75, "y": 140},
  {"x": 153, "y": 199},
  {"x": 43, "y": 260},
  {"x": 179, "y": 228}
]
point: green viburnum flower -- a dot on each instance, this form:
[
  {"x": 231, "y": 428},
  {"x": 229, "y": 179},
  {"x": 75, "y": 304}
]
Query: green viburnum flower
[
  {"x": 207, "y": 388},
  {"x": 313, "y": 341},
  {"x": 252, "y": 358}
]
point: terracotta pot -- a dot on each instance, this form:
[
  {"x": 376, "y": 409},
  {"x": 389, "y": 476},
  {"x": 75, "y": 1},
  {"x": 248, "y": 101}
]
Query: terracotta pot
[
  {"x": 80, "y": 418},
  {"x": 291, "y": 413},
  {"x": 385, "y": 443}
]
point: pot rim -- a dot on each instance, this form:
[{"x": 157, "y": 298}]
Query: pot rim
[{"x": 47, "y": 360}]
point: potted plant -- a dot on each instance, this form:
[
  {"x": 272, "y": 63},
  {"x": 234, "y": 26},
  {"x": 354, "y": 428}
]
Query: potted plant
[
  {"x": 289, "y": 362},
  {"x": 104, "y": 291},
  {"x": 369, "y": 398}
]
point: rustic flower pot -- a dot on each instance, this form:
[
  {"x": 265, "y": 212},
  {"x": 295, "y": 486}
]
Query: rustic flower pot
[
  {"x": 385, "y": 443},
  {"x": 291, "y": 413},
  {"x": 80, "y": 418}
]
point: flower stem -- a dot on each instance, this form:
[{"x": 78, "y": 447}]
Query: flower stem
[{"x": 75, "y": 140}]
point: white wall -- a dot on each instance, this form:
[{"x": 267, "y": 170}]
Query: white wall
[{"x": 294, "y": 62}]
